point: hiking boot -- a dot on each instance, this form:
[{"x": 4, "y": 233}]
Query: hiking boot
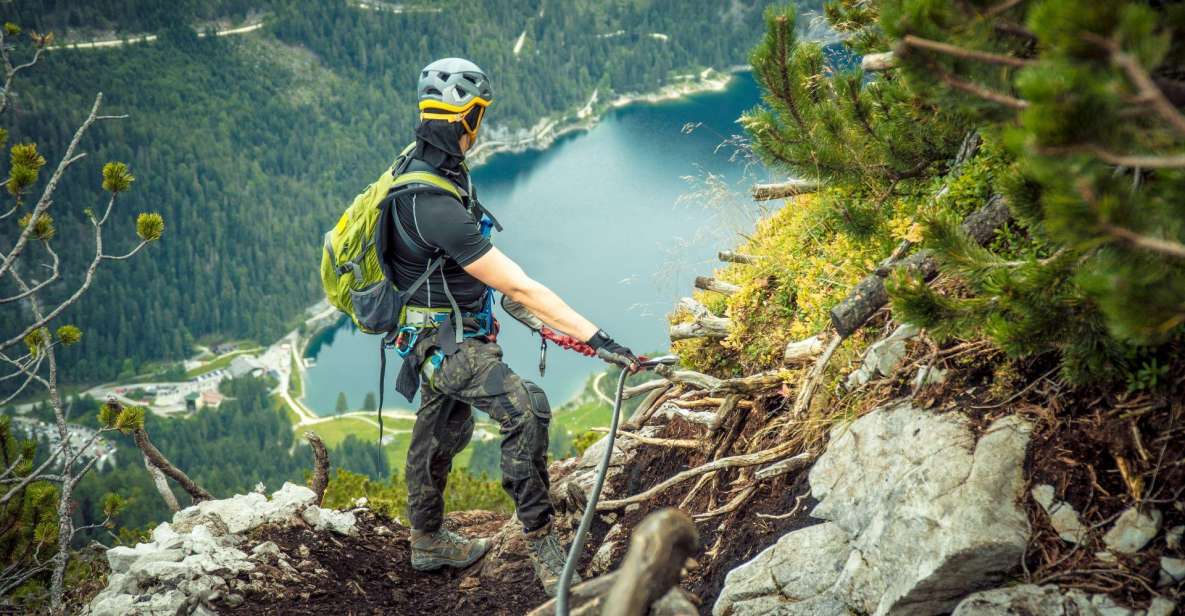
[
  {"x": 548, "y": 555},
  {"x": 444, "y": 548}
]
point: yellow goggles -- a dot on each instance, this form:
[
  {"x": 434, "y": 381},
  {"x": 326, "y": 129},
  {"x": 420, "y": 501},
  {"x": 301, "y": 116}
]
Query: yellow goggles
[{"x": 470, "y": 116}]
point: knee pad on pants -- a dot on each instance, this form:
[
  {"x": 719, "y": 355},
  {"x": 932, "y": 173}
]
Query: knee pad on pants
[{"x": 537, "y": 400}]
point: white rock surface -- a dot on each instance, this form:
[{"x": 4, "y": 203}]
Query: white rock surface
[
  {"x": 1133, "y": 530},
  {"x": 793, "y": 577},
  {"x": 1062, "y": 515},
  {"x": 1043, "y": 600},
  {"x": 189, "y": 560},
  {"x": 882, "y": 358},
  {"x": 340, "y": 522},
  {"x": 920, "y": 514},
  {"x": 1172, "y": 570}
]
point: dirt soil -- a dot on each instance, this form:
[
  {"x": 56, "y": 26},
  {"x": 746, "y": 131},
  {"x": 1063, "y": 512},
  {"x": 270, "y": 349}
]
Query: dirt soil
[{"x": 371, "y": 574}]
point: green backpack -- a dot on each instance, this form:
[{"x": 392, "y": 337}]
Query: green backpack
[{"x": 352, "y": 271}]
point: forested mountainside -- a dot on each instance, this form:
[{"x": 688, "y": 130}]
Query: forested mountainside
[{"x": 250, "y": 145}]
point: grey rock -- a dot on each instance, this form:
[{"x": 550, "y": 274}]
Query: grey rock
[
  {"x": 794, "y": 577},
  {"x": 240, "y": 513},
  {"x": 288, "y": 501},
  {"x": 882, "y": 357},
  {"x": 121, "y": 557},
  {"x": 1161, "y": 607},
  {"x": 1172, "y": 570},
  {"x": 267, "y": 548},
  {"x": 111, "y": 605},
  {"x": 1043, "y": 600},
  {"x": 234, "y": 600},
  {"x": 1172, "y": 537},
  {"x": 919, "y": 514},
  {"x": 1133, "y": 530},
  {"x": 340, "y": 522},
  {"x": 169, "y": 603},
  {"x": 928, "y": 375},
  {"x": 1062, "y": 515},
  {"x": 931, "y": 514}
]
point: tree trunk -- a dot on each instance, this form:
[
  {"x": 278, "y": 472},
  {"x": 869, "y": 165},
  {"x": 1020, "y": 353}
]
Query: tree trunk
[{"x": 162, "y": 486}]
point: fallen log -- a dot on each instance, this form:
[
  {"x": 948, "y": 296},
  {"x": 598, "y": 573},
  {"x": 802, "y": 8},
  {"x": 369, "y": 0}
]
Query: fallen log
[
  {"x": 874, "y": 62},
  {"x": 784, "y": 190},
  {"x": 708, "y": 283},
  {"x": 729, "y": 256},
  {"x": 803, "y": 351},
  {"x": 647, "y": 578},
  {"x": 869, "y": 295}
]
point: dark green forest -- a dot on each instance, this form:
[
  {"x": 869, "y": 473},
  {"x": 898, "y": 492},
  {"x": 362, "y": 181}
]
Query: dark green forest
[
  {"x": 249, "y": 145},
  {"x": 227, "y": 450}
]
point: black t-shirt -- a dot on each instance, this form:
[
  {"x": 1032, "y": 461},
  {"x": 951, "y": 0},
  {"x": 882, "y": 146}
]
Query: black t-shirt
[{"x": 438, "y": 221}]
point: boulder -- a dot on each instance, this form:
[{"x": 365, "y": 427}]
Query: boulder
[
  {"x": 919, "y": 513},
  {"x": 1043, "y": 600},
  {"x": 793, "y": 577},
  {"x": 1172, "y": 571},
  {"x": 1133, "y": 530}
]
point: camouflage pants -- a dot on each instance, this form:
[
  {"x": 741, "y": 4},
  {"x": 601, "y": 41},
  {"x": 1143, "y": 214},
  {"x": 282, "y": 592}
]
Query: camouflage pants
[{"x": 476, "y": 376}]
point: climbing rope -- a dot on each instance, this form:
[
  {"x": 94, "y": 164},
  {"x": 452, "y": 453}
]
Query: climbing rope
[{"x": 590, "y": 509}]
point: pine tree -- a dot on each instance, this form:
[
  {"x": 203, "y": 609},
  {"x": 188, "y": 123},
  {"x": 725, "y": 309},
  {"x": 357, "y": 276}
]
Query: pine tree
[
  {"x": 1087, "y": 98},
  {"x": 342, "y": 404},
  {"x": 369, "y": 403}
]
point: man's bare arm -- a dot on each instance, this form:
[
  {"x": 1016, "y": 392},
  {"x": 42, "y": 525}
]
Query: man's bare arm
[{"x": 501, "y": 272}]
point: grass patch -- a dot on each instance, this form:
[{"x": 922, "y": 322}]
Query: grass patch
[{"x": 295, "y": 384}]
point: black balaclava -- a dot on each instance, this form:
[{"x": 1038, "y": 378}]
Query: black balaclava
[{"x": 438, "y": 143}]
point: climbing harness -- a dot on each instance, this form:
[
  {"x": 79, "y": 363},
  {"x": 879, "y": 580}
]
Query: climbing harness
[{"x": 561, "y": 599}]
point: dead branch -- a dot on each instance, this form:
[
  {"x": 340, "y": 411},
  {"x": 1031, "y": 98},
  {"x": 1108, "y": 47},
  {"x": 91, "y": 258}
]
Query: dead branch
[
  {"x": 784, "y": 190},
  {"x": 650, "y": 406},
  {"x": 875, "y": 62},
  {"x": 688, "y": 377},
  {"x": 1140, "y": 161},
  {"x": 158, "y": 460},
  {"x": 709, "y": 402},
  {"x": 162, "y": 486},
  {"x": 1154, "y": 244},
  {"x": 707, "y": 283},
  {"x": 1142, "y": 80},
  {"x": 677, "y": 443},
  {"x": 732, "y": 505},
  {"x": 806, "y": 391},
  {"x": 961, "y": 52},
  {"x": 802, "y": 351},
  {"x": 701, "y": 418},
  {"x": 727, "y": 405},
  {"x": 749, "y": 459},
  {"x": 647, "y": 578},
  {"x": 782, "y": 467},
  {"x": 320, "y": 465},
  {"x": 648, "y": 386},
  {"x": 729, "y": 256},
  {"x": 869, "y": 295},
  {"x": 659, "y": 548},
  {"x": 752, "y": 383},
  {"x": 979, "y": 91},
  {"x": 704, "y": 325}
]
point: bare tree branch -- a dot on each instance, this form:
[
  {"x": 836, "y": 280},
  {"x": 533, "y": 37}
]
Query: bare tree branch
[
  {"x": 1142, "y": 80},
  {"x": 154, "y": 455},
  {"x": 52, "y": 185},
  {"x": 960, "y": 52},
  {"x": 1167, "y": 247}
]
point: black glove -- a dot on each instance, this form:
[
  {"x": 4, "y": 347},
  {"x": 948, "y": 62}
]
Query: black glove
[{"x": 601, "y": 341}]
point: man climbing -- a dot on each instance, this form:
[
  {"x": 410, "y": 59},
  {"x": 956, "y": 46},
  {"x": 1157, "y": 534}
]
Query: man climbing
[{"x": 459, "y": 363}]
